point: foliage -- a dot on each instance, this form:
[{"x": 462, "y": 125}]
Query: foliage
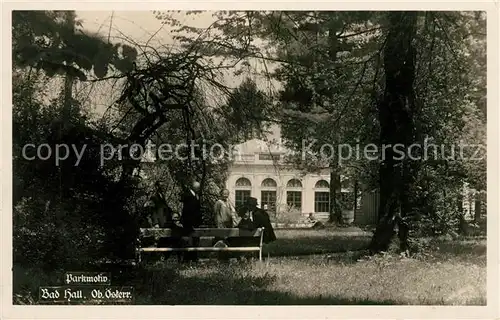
[
  {"x": 288, "y": 215},
  {"x": 329, "y": 65},
  {"x": 68, "y": 205},
  {"x": 450, "y": 113},
  {"x": 54, "y": 42},
  {"x": 247, "y": 110},
  {"x": 63, "y": 214},
  {"x": 332, "y": 75}
]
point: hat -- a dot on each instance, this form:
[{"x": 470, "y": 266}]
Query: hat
[{"x": 251, "y": 201}]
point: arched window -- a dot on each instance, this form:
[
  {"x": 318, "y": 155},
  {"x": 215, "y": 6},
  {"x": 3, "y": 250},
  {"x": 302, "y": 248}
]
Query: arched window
[
  {"x": 294, "y": 194},
  {"x": 243, "y": 191},
  {"x": 294, "y": 183},
  {"x": 268, "y": 194},
  {"x": 269, "y": 183},
  {"x": 322, "y": 196},
  {"x": 243, "y": 183},
  {"x": 322, "y": 184}
]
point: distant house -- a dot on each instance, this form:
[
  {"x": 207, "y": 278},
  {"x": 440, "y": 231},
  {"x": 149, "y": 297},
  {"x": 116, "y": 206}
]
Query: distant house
[{"x": 473, "y": 205}]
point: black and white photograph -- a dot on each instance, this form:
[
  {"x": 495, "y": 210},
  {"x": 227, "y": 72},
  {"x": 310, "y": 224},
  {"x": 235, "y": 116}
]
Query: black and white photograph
[{"x": 249, "y": 158}]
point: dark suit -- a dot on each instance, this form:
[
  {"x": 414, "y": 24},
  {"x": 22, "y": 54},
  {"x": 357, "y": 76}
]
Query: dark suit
[
  {"x": 164, "y": 216},
  {"x": 191, "y": 211},
  {"x": 260, "y": 219},
  {"x": 190, "y": 219}
]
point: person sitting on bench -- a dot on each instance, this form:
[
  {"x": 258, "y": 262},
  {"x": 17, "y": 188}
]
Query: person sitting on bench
[
  {"x": 252, "y": 218},
  {"x": 256, "y": 217},
  {"x": 160, "y": 215}
]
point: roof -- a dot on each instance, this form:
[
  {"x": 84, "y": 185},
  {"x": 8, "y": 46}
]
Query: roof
[{"x": 260, "y": 146}]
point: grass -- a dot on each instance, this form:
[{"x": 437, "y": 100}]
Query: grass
[
  {"x": 309, "y": 242},
  {"x": 454, "y": 274}
]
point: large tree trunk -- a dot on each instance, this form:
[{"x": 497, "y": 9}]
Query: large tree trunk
[{"x": 396, "y": 123}]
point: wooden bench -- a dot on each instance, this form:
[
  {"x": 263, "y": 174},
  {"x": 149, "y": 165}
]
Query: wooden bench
[{"x": 155, "y": 234}]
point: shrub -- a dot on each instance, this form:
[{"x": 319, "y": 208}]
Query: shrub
[
  {"x": 290, "y": 215},
  {"x": 51, "y": 237}
]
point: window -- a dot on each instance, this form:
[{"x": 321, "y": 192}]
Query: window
[
  {"x": 241, "y": 197},
  {"x": 322, "y": 196},
  {"x": 268, "y": 156},
  {"x": 294, "y": 194},
  {"x": 294, "y": 183},
  {"x": 268, "y": 198},
  {"x": 269, "y": 183},
  {"x": 268, "y": 194},
  {"x": 243, "y": 182},
  {"x": 294, "y": 199},
  {"x": 322, "y": 184},
  {"x": 321, "y": 201},
  {"x": 243, "y": 191}
]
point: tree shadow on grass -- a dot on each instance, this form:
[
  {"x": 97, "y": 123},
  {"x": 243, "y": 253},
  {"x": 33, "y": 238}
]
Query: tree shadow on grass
[
  {"x": 315, "y": 245},
  {"x": 476, "y": 248},
  {"x": 472, "y": 251},
  {"x": 222, "y": 287}
]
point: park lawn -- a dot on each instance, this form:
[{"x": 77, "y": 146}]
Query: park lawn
[
  {"x": 455, "y": 274},
  {"x": 306, "y": 242},
  {"x": 333, "y": 273}
]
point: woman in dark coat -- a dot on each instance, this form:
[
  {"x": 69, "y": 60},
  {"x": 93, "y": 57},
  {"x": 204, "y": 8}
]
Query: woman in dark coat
[
  {"x": 252, "y": 218},
  {"x": 257, "y": 218}
]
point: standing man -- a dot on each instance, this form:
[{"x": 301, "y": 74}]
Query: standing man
[
  {"x": 224, "y": 213},
  {"x": 224, "y": 218},
  {"x": 191, "y": 216}
]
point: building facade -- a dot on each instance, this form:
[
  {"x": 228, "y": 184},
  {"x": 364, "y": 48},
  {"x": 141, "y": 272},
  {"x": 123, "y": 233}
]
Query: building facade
[{"x": 259, "y": 171}]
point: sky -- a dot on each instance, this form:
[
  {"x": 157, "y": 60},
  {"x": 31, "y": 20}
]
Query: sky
[
  {"x": 139, "y": 25},
  {"x": 143, "y": 26}
]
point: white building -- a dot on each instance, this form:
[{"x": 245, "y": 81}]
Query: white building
[{"x": 259, "y": 171}]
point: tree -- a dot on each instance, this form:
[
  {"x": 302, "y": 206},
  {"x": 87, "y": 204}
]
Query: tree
[
  {"x": 330, "y": 90},
  {"x": 396, "y": 111},
  {"x": 63, "y": 204},
  {"x": 53, "y": 41},
  {"x": 315, "y": 68},
  {"x": 247, "y": 110}
]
